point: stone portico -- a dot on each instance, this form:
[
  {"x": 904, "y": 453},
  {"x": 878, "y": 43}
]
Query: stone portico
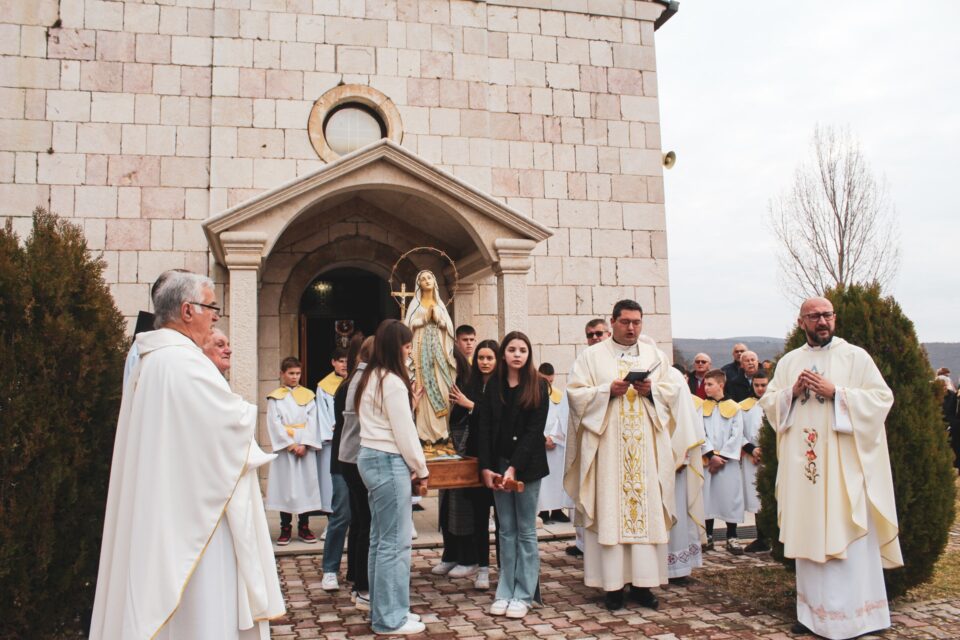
[{"x": 363, "y": 210}]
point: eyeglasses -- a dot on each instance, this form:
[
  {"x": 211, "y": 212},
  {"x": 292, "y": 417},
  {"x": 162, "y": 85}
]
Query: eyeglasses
[
  {"x": 813, "y": 317},
  {"x": 596, "y": 334},
  {"x": 212, "y": 307},
  {"x": 739, "y": 350},
  {"x": 627, "y": 323},
  {"x": 701, "y": 362}
]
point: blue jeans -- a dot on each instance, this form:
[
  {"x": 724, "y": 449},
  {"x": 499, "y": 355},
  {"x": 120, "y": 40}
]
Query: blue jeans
[
  {"x": 337, "y": 524},
  {"x": 387, "y": 479},
  {"x": 519, "y": 552}
]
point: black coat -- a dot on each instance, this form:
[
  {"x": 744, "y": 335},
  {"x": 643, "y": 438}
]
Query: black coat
[
  {"x": 737, "y": 387},
  {"x": 529, "y": 458},
  {"x": 339, "y": 404}
]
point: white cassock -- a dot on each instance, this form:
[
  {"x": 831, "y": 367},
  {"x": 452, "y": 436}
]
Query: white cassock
[
  {"x": 723, "y": 490},
  {"x": 835, "y": 497},
  {"x": 684, "y": 551},
  {"x": 186, "y": 551},
  {"x": 292, "y": 419},
  {"x": 326, "y": 389},
  {"x": 752, "y": 423},
  {"x": 621, "y": 467},
  {"x": 552, "y": 496}
]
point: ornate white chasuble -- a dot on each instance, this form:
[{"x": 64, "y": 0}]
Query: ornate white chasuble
[{"x": 633, "y": 459}]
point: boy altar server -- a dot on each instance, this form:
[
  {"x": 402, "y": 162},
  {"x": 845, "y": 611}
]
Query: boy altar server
[
  {"x": 553, "y": 499},
  {"x": 723, "y": 483},
  {"x": 750, "y": 461},
  {"x": 294, "y": 434},
  {"x": 326, "y": 390}
]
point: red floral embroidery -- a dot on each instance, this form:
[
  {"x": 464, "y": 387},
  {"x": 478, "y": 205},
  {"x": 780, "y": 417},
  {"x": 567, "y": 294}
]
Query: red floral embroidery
[{"x": 810, "y": 469}]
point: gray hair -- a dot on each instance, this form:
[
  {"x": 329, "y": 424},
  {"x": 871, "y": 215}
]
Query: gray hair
[{"x": 175, "y": 288}]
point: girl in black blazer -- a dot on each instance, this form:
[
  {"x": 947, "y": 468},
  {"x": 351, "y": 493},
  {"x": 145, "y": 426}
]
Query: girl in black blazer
[{"x": 512, "y": 447}]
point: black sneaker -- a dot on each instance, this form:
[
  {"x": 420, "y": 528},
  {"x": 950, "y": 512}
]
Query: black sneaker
[
  {"x": 418, "y": 507},
  {"x": 757, "y": 546},
  {"x": 544, "y": 516},
  {"x": 644, "y": 597},
  {"x": 613, "y": 600},
  {"x": 800, "y": 629},
  {"x": 574, "y": 551},
  {"x": 284, "y": 538},
  {"x": 559, "y": 516}
]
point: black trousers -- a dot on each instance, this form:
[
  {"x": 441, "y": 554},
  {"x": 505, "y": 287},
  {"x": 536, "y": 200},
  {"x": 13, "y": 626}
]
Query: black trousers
[
  {"x": 474, "y": 547},
  {"x": 303, "y": 519},
  {"x": 358, "y": 535}
]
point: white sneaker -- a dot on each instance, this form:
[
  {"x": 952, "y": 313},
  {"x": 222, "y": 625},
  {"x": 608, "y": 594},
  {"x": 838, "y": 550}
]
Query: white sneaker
[
  {"x": 499, "y": 607},
  {"x": 409, "y": 627},
  {"x": 491, "y": 525},
  {"x": 329, "y": 582},
  {"x": 362, "y": 603},
  {"x": 442, "y": 568},
  {"x": 414, "y": 535},
  {"x": 517, "y": 609},
  {"x": 482, "y": 581},
  {"x": 463, "y": 571},
  {"x": 323, "y": 536},
  {"x": 413, "y": 616}
]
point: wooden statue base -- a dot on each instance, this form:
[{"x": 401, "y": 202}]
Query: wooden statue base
[{"x": 454, "y": 474}]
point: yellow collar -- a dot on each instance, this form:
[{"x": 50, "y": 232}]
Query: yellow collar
[
  {"x": 301, "y": 395},
  {"x": 556, "y": 396},
  {"x": 330, "y": 384},
  {"x": 697, "y": 401},
  {"x": 728, "y": 408},
  {"x": 748, "y": 404}
]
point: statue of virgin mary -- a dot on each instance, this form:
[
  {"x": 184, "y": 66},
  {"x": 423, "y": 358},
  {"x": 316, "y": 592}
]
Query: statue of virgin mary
[{"x": 434, "y": 367}]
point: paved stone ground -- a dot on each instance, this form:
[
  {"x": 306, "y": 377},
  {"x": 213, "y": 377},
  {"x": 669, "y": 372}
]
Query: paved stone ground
[{"x": 454, "y": 609}]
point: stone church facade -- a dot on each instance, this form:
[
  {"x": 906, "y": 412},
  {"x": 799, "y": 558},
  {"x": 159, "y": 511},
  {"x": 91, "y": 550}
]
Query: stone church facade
[{"x": 286, "y": 146}]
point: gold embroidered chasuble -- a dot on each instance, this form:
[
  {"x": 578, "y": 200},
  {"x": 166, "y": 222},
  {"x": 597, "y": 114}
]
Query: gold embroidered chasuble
[
  {"x": 621, "y": 462},
  {"x": 834, "y": 466}
]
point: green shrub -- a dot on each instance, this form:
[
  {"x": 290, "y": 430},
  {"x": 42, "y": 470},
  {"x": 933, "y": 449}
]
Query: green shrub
[
  {"x": 920, "y": 455},
  {"x": 61, "y": 366}
]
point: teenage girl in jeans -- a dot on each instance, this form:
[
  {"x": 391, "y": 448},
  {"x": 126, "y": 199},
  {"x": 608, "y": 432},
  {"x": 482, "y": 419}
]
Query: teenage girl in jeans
[
  {"x": 390, "y": 456},
  {"x": 512, "y": 447}
]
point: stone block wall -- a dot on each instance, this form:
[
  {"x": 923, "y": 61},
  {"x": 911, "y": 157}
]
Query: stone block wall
[{"x": 141, "y": 119}]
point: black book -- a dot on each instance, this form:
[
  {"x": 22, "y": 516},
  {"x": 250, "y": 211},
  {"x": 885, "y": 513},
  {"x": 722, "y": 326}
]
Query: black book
[{"x": 639, "y": 375}]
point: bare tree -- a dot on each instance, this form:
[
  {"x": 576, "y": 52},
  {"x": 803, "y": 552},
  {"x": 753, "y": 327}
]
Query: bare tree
[{"x": 836, "y": 225}]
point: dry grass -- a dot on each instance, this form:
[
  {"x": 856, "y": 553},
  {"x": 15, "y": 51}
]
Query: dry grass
[
  {"x": 769, "y": 588},
  {"x": 946, "y": 573}
]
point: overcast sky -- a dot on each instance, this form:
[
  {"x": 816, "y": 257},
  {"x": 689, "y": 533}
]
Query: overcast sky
[{"x": 742, "y": 86}]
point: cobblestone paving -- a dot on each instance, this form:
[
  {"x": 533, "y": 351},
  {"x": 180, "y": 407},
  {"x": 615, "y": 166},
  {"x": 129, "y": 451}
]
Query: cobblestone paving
[{"x": 454, "y": 609}]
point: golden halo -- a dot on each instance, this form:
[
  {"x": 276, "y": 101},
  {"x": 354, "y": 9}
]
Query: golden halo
[{"x": 442, "y": 254}]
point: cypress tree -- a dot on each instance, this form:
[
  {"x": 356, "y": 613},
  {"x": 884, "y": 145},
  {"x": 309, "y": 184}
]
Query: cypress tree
[
  {"x": 920, "y": 454},
  {"x": 60, "y": 382}
]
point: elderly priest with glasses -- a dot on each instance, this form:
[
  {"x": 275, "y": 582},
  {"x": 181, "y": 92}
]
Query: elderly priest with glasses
[
  {"x": 186, "y": 552},
  {"x": 827, "y": 403}
]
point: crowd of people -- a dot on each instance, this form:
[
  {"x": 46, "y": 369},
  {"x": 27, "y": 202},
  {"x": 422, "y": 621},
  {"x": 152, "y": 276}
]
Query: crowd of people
[{"x": 643, "y": 455}]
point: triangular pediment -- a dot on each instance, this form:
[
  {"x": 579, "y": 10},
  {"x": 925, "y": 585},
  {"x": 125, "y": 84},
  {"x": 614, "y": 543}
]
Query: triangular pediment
[{"x": 397, "y": 180}]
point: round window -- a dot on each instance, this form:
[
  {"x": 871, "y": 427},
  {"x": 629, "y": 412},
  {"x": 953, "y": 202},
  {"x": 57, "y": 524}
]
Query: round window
[{"x": 352, "y": 126}]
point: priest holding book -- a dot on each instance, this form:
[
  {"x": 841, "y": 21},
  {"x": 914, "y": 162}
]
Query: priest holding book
[{"x": 624, "y": 445}]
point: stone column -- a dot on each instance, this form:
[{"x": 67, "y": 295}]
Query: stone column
[
  {"x": 243, "y": 252},
  {"x": 511, "y": 270},
  {"x": 464, "y": 300}
]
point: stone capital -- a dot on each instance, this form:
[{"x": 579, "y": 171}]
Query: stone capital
[
  {"x": 243, "y": 250},
  {"x": 513, "y": 255}
]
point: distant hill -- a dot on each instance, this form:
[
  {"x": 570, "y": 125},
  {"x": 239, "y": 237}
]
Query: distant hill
[{"x": 720, "y": 350}]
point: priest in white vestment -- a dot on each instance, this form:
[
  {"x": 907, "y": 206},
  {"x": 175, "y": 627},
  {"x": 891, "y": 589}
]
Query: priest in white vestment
[
  {"x": 621, "y": 462},
  {"x": 828, "y": 402},
  {"x": 186, "y": 552}
]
